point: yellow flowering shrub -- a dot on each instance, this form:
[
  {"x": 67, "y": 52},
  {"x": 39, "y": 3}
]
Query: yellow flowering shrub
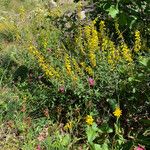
[{"x": 90, "y": 48}]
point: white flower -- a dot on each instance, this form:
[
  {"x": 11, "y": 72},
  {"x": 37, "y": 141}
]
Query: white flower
[
  {"x": 53, "y": 4},
  {"x": 82, "y": 15}
]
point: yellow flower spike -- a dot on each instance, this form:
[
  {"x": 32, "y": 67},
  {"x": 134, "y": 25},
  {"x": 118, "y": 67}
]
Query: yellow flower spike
[
  {"x": 89, "y": 120},
  {"x": 137, "y": 44},
  {"x": 45, "y": 43},
  {"x": 118, "y": 31},
  {"x": 68, "y": 64},
  {"x": 113, "y": 54},
  {"x": 79, "y": 41},
  {"x": 102, "y": 25},
  {"x": 92, "y": 58},
  {"x": 117, "y": 112},
  {"x": 91, "y": 42},
  {"x": 47, "y": 68},
  {"x": 102, "y": 28},
  {"x": 105, "y": 43},
  {"x": 126, "y": 53},
  {"x": 83, "y": 64},
  {"x": 87, "y": 32},
  {"x": 76, "y": 67},
  {"x": 89, "y": 70}
]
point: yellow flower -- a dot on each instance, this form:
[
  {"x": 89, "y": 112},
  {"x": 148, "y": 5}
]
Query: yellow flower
[
  {"x": 83, "y": 64},
  {"x": 76, "y": 66},
  {"x": 117, "y": 112},
  {"x": 126, "y": 52},
  {"x": 91, "y": 42},
  {"x": 102, "y": 26},
  {"x": 68, "y": 64},
  {"x": 79, "y": 41},
  {"x": 118, "y": 31},
  {"x": 137, "y": 44},
  {"x": 89, "y": 120},
  {"x": 89, "y": 70},
  {"x": 105, "y": 43},
  {"x": 46, "y": 67},
  {"x": 68, "y": 126},
  {"x": 113, "y": 54}
]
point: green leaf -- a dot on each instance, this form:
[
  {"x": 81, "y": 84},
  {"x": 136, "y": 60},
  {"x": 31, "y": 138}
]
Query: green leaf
[
  {"x": 130, "y": 79},
  {"x": 112, "y": 103},
  {"x": 144, "y": 61},
  {"x": 147, "y": 132},
  {"x": 92, "y": 133},
  {"x": 145, "y": 121},
  {"x": 112, "y": 11},
  {"x": 105, "y": 146},
  {"x": 98, "y": 147},
  {"x": 66, "y": 140},
  {"x": 105, "y": 128},
  {"x": 127, "y": 145},
  {"x": 122, "y": 19},
  {"x": 144, "y": 140},
  {"x": 132, "y": 21}
]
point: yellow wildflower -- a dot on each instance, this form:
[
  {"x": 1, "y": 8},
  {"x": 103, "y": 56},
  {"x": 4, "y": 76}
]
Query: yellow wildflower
[
  {"x": 102, "y": 26},
  {"x": 68, "y": 125},
  {"x": 79, "y": 42},
  {"x": 94, "y": 41},
  {"x": 104, "y": 44},
  {"x": 118, "y": 31},
  {"x": 76, "y": 66},
  {"x": 89, "y": 120},
  {"x": 91, "y": 42},
  {"x": 83, "y": 64},
  {"x": 92, "y": 58},
  {"x": 126, "y": 52},
  {"x": 89, "y": 70},
  {"x": 22, "y": 12},
  {"x": 45, "y": 43},
  {"x": 79, "y": 9},
  {"x": 104, "y": 40},
  {"x": 47, "y": 68},
  {"x": 102, "y": 31},
  {"x": 68, "y": 64},
  {"x": 113, "y": 54},
  {"x": 137, "y": 45},
  {"x": 117, "y": 112},
  {"x": 87, "y": 32}
]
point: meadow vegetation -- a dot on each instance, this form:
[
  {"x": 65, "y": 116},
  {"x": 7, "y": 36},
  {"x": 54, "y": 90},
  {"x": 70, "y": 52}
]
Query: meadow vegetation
[{"x": 74, "y": 75}]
